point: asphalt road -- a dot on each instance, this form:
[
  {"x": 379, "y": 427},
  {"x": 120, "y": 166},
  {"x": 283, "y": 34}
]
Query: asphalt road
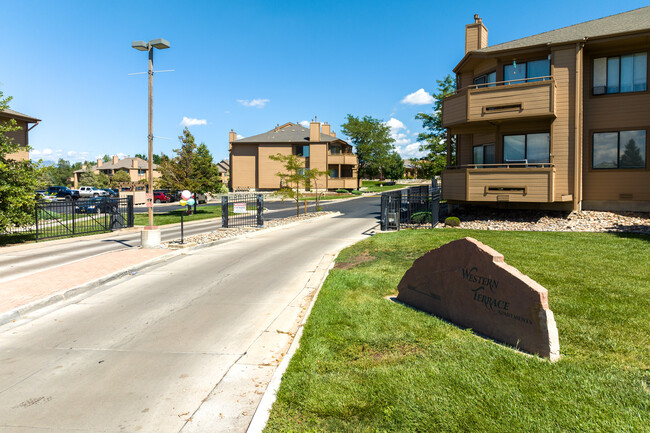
[
  {"x": 182, "y": 347},
  {"x": 17, "y": 263}
]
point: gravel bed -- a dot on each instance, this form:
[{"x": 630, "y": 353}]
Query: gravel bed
[
  {"x": 579, "y": 221},
  {"x": 224, "y": 233}
]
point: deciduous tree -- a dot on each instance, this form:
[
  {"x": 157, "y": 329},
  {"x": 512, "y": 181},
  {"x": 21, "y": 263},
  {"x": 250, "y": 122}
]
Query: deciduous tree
[
  {"x": 18, "y": 179},
  {"x": 120, "y": 176},
  {"x": 372, "y": 141}
]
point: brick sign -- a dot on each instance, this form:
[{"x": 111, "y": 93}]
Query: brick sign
[{"x": 468, "y": 283}]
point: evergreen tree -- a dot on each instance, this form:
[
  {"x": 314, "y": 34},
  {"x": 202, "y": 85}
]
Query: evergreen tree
[
  {"x": 632, "y": 157},
  {"x": 434, "y": 138}
]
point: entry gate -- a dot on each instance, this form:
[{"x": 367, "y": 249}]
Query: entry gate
[
  {"x": 242, "y": 210},
  {"x": 413, "y": 206}
]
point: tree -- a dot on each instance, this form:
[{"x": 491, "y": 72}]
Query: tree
[
  {"x": 394, "y": 168},
  {"x": 157, "y": 159},
  {"x": 106, "y": 158},
  {"x": 435, "y": 138},
  {"x": 632, "y": 157},
  {"x": 120, "y": 176},
  {"x": 18, "y": 179},
  {"x": 90, "y": 178},
  {"x": 296, "y": 177},
  {"x": 373, "y": 143},
  {"x": 192, "y": 168}
]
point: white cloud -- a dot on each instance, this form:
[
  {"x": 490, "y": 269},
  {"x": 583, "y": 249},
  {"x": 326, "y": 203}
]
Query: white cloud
[
  {"x": 410, "y": 150},
  {"x": 304, "y": 123},
  {"x": 395, "y": 124},
  {"x": 258, "y": 103},
  {"x": 188, "y": 121},
  {"x": 34, "y": 152},
  {"x": 239, "y": 136},
  {"x": 47, "y": 151},
  {"x": 420, "y": 97}
]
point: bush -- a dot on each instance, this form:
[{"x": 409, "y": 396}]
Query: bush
[
  {"x": 452, "y": 221},
  {"x": 356, "y": 192},
  {"x": 421, "y": 217},
  {"x": 342, "y": 191}
]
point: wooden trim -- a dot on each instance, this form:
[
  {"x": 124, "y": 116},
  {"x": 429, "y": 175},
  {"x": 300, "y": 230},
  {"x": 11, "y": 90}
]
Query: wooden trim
[{"x": 577, "y": 138}]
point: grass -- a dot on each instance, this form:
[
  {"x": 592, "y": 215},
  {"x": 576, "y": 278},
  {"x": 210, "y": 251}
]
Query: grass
[
  {"x": 172, "y": 217},
  {"x": 374, "y": 186},
  {"x": 366, "y": 364}
]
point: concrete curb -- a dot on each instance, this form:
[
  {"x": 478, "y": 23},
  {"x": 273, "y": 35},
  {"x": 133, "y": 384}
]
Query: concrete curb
[
  {"x": 263, "y": 411},
  {"x": 84, "y": 289}
]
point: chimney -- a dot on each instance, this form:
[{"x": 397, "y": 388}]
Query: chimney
[
  {"x": 314, "y": 131},
  {"x": 476, "y": 35},
  {"x": 99, "y": 162},
  {"x": 232, "y": 136},
  {"x": 333, "y": 134},
  {"x": 326, "y": 129},
  {"x": 134, "y": 163},
  {"x": 116, "y": 159}
]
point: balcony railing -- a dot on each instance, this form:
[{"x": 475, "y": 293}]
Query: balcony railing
[
  {"x": 342, "y": 158},
  {"x": 503, "y": 100},
  {"x": 507, "y": 182}
]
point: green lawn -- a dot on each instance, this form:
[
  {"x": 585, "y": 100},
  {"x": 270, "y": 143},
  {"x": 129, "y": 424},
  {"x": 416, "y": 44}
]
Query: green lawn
[
  {"x": 367, "y": 364},
  {"x": 374, "y": 186},
  {"x": 172, "y": 217}
]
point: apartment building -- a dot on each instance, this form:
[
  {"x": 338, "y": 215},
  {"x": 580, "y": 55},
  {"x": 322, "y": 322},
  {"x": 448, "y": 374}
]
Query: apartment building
[
  {"x": 251, "y": 169},
  {"x": 136, "y": 168},
  {"x": 20, "y": 136},
  {"x": 558, "y": 120}
]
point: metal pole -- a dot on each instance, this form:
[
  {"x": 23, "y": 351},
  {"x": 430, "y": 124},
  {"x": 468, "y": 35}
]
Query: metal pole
[
  {"x": 150, "y": 162},
  {"x": 181, "y": 227}
]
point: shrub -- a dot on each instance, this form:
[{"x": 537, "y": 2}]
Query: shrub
[
  {"x": 342, "y": 191},
  {"x": 357, "y": 192},
  {"x": 452, "y": 221},
  {"x": 421, "y": 217}
]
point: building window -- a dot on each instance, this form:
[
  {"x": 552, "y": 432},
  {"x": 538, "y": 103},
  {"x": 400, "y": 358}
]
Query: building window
[
  {"x": 527, "y": 148},
  {"x": 142, "y": 172},
  {"x": 334, "y": 171},
  {"x": 484, "y": 154},
  {"x": 335, "y": 149},
  {"x": 622, "y": 149},
  {"x": 620, "y": 74},
  {"x": 527, "y": 72},
  {"x": 346, "y": 171},
  {"x": 485, "y": 80},
  {"x": 301, "y": 151}
]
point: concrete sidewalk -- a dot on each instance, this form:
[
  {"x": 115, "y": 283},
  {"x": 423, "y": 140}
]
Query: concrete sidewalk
[{"x": 29, "y": 293}]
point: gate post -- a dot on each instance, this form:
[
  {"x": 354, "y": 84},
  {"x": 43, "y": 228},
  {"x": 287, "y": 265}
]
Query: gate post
[
  {"x": 384, "y": 212},
  {"x": 224, "y": 211},
  {"x": 131, "y": 217},
  {"x": 36, "y": 212},
  {"x": 260, "y": 210},
  {"x": 72, "y": 206}
]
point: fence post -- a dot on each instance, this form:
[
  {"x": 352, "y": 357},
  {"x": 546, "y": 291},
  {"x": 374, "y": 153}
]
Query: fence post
[
  {"x": 182, "y": 228},
  {"x": 72, "y": 206},
  {"x": 36, "y": 212},
  {"x": 224, "y": 211},
  {"x": 260, "y": 210},
  {"x": 131, "y": 216}
]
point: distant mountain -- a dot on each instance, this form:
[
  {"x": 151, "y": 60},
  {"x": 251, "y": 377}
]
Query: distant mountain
[{"x": 48, "y": 163}]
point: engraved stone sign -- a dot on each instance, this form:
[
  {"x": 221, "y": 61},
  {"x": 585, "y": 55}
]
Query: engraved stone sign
[{"x": 468, "y": 283}]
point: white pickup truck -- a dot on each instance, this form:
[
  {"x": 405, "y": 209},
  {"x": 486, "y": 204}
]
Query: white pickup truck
[{"x": 91, "y": 191}]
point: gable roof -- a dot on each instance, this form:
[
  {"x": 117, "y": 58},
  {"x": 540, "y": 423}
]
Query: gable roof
[
  {"x": 122, "y": 163},
  {"x": 627, "y": 22},
  {"x": 287, "y": 133},
  {"x": 18, "y": 116}
]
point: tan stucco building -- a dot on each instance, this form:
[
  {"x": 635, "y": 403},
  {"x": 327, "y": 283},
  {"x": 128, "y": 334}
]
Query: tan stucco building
[
  {"x": 555, "y": 120},
  {"x": 136, "y": 168},
  {"x": 251, "y": 168},
  {"x": 20, "y": 136}
]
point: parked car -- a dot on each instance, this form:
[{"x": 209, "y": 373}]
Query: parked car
[
  {"x": 62, "y": 192},
  {"x": 92, "y": 191},
  {"x": 42, "y": 195},
  {"x": 173, "y": 195},
  {"x": 111, "y": 192},
  {"x": 159, "y": 197},
  {"x": 95, "y": 205},
  {"x": 201, "y": 198}
]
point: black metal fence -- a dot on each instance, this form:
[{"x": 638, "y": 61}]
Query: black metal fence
[
  {"x": 242, "y": 210},
  {"x": 414, "y": 206},
  {"x": 78, "y": 217}
]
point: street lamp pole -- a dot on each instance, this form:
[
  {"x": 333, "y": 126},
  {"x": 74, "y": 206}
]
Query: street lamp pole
[{"x": 144, "y": 46}]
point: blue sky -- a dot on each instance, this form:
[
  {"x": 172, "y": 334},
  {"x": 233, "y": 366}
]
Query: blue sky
[{"x": 245, "y": 65}]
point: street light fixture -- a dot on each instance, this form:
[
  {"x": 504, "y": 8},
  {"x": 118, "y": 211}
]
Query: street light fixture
[{"x": 161, "y": 44}]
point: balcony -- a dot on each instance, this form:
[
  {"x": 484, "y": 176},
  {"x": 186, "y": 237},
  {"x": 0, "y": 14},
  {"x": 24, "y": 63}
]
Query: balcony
[
  {"x": 342, "y": 182},
  {"x": 520, "y": 183},
  {"x": 503, "y": 101},
  {"x": 342, "y": 158}
]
